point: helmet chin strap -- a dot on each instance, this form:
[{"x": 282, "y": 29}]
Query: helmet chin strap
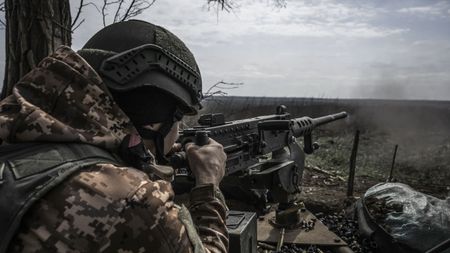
[{"x": 158, "y": 136}]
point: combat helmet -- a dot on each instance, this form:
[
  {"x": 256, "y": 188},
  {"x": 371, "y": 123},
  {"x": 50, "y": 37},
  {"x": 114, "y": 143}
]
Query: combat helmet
[
  {"x": 135, "y": 53},
  {"x": 136, "y": 58}
]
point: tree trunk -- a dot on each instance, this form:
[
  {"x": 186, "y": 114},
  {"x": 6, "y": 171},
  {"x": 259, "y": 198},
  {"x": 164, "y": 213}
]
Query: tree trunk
[{"x": 34, "y": 29}]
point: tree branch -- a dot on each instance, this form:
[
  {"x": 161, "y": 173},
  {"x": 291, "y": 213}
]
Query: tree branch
[
  {"x": 230, "y": 5},
  {"x": 103, "y": 12},
  {"x": 106, "y": 3},
  {"x": 93, "y": 4},
  {"x": 78, "y": 13},
  {"x": 76, "y": 21},
  {"x": 116, "y": 16},
  {"x": 223, "y": 5},
  {"x": 124, "y": 9},
  {"x": 217, "y": 89},
  {"x": 136, "y": 7},
  {"x": 128, "y": 10},
  {"x": 2, "y": 9},
  {"x": 78, "y": 25}
]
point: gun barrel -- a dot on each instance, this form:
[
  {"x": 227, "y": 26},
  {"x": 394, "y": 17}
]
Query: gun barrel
[
  {"x": 329, "y": 118},
  {"x": 305, "y": 125}
]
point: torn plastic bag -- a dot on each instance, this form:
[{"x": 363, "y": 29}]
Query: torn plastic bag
[{"x": 399, "y": 217}]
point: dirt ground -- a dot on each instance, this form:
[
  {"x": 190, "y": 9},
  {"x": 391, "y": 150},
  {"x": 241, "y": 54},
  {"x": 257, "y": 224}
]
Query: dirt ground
[{"x": 422, "y": 161}]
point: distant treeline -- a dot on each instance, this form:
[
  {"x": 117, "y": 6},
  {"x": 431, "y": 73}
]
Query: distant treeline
[{"x": 365, "y": 114}]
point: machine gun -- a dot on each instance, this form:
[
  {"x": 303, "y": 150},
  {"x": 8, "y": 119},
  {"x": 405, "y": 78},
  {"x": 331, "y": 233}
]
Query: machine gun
[
  {"x": 264, "y": 166},
  {"x": 264, "y": 160}
]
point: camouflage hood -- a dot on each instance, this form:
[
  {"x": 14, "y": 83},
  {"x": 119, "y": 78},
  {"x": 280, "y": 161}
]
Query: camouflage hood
[{"x": 63, "y": 100}]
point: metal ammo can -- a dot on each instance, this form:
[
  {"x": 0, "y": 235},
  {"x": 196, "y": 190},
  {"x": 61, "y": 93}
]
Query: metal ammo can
[{"x": 242, "y": 231}]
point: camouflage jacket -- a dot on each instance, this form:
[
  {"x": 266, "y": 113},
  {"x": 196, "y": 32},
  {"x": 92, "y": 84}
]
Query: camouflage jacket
[{"x": 102, "y": 208}]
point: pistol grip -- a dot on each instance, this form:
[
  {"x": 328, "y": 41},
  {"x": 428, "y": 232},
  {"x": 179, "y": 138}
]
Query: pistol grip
[
  {"x": 201, "y": 138},
  {"x": 178, "y": 160}
]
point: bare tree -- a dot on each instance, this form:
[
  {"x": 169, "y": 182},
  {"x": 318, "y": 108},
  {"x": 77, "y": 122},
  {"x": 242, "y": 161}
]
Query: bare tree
[
  {"x": 229, "y": 5},
  {"x": 34, "y": 29},
  {"x": 218, "y": 88},
  {"x": 222, "y": 5},
  {"x": 123, "y": 9},
  {"x": 77, "y": 21},
  {"x": 2, "y": 21}
]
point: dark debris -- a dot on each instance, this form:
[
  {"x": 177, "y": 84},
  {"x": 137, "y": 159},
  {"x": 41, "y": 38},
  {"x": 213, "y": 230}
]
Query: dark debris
[
  {"x": 344, "y": 227},
  {"x": 347, "y": 229}
]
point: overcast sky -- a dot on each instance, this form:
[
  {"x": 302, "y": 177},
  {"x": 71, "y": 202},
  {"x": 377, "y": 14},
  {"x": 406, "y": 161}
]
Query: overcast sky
[{"x": 332, "y": 49}]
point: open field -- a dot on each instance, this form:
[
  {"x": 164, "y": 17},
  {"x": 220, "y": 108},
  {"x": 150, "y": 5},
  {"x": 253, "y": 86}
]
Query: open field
[
  {"x": 420, "y": 128},
  {"x": 423, "y": 163}
]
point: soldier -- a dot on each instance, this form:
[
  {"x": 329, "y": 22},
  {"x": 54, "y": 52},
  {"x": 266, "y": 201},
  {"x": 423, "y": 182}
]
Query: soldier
[{"x": 84, "y": 133}]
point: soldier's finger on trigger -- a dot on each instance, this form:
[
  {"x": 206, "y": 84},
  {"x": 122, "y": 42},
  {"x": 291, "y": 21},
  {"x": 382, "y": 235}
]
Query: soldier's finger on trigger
[{"x": 190, "y": 146}]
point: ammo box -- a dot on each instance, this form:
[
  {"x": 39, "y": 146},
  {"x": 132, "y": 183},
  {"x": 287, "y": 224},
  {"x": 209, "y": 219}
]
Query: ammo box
[{"x": 242, "y": 230}]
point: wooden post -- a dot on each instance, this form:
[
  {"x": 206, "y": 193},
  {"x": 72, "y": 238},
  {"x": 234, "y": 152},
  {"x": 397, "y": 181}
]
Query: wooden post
[
  {"x": 351, "y": 174},
  {"x": 393, "y": 164}
]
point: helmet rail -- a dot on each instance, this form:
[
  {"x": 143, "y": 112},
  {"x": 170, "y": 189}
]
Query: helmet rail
[{"x": 128, "y": 65}]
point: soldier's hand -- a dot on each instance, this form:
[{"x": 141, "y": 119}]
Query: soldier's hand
[
  {"x": 207, "y": 162},
  {"x": 177, "y": 147}
]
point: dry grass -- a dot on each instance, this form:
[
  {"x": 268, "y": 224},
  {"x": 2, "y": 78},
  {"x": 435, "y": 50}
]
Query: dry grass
[{"x": 422, "y": 162}]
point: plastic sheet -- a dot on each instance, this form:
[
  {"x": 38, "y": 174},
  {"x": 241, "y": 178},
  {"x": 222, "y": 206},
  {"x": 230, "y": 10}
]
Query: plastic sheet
[{"x": 413, "y": 218}]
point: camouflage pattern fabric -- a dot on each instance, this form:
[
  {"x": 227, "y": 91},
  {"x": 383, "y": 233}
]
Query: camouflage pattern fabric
[
  {"x": 102, "y": 208},
  {"x": 63, "y": 100}
]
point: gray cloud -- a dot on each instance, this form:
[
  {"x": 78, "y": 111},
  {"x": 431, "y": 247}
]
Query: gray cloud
[
  {"x": 323, "y": 48},
  {"x": 300, "y": 19},
  {"x": 429, "y": 10}
]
